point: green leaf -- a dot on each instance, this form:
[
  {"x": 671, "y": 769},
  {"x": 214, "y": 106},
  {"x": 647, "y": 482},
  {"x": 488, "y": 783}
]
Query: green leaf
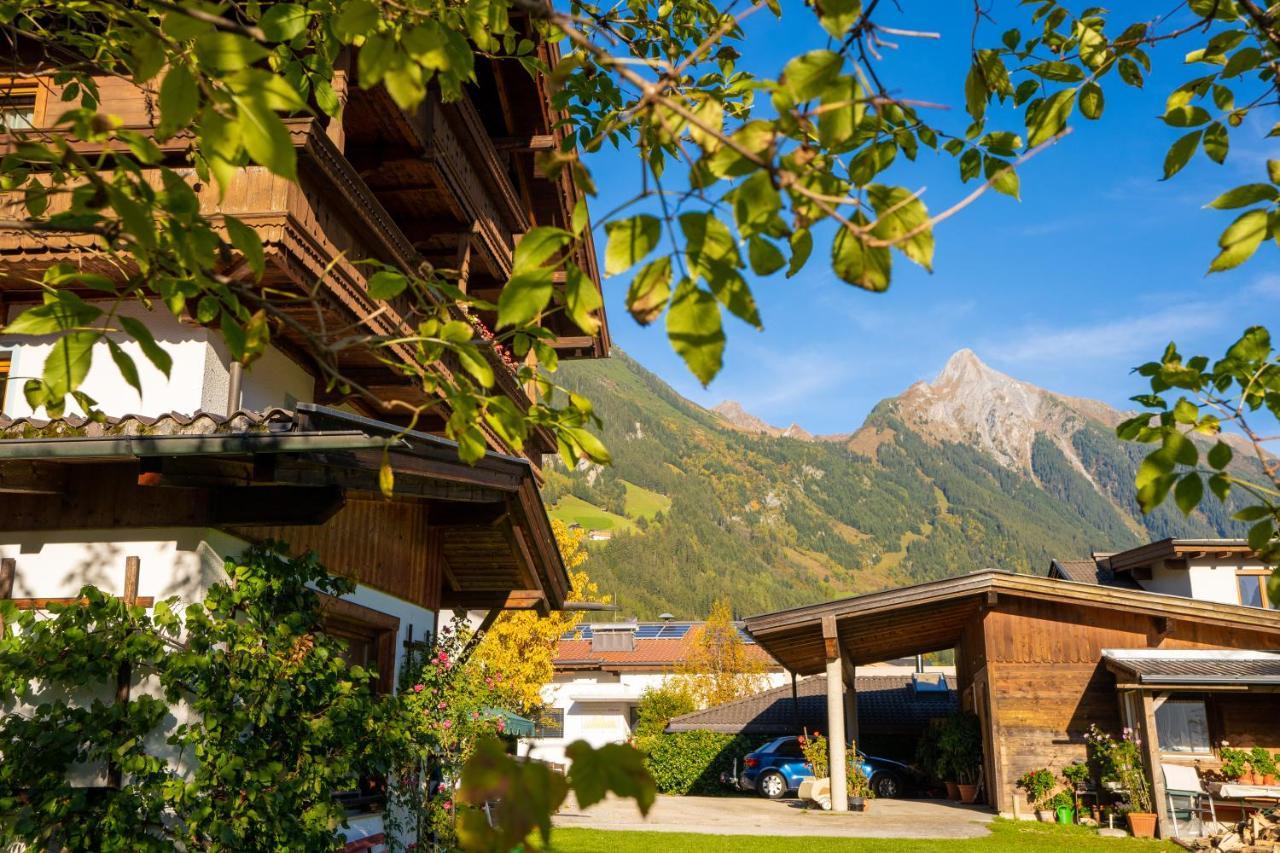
[
  {"x": 695, "y": 330},
  {"x": 1216, "y": 142},
  {"x": 1252, "y": 513},
  {"x": 525, "y": 297},
  {"x": 474, "y": 362},
  {"x": 755, "y": 203},
  {"x": 284, "y": 21},
  {"x": 613, "y": 768},
  {"x": 649, "y": 291},
  {"x": 1062, "y": 72},
  {"x": 629, "y": 240},
  {"x": 124, "y": 363},
  {"x": 386, "y": 284},
  {"x": 975, "y": 93},
  {"x": 1260, "y": 534},
  {"x": 844, "y": 111},
  {"x": 1220, "y": 455},
  {"x": 765, "y": 258},
  {"x": 1245, "y": 195},
  {"x": 155, "y": 353},
  {"x": 898, "y": 214},
  {"x": 731, "y": 290},
  {"x": 1273, "y": 171},
  {"x": 858, "y": 264},
  {"x": 67, "y": 312},
  {"x": 1244, "y": 59},
  {"x": 801, "y": 247},
  {"x": 68, "y": 363},
  {"x": 266, "y": 138},
  {"x": 538, "y": 246},
  {"x": 357, "y": 18},
  {"x": 248, "y": 242},
  {"x": 582, "y": 299},
  {"x": 837, "y": 16},
  {"x": 1003, "y": 177},
  {"x": 589, "y": 445},
  {"x": 1188, "y": 116},
  {"x": 179, "y": 100},
  {"x": 1049, "y": 119},
  {"x": 807, "y": 75},
  {"x": 1091, "y": 100},
  {"x": 223, "y": 51},
  {"x": 708, "y": 242},
  {"x": 1188, "y": 492},
  {"x": 1240, "y": 240},
  {"x": 1179, "y": 153}
]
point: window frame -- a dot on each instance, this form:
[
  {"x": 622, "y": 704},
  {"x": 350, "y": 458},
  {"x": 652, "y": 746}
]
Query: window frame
[
  {"x": 23, "y": 87},
  {"x": 347, "y": 620},
  {"x": 6, "y": 368},
  {"x": 1259, "y": 575},
  {"x": 540, "y": 724},
  {"x": 1207, "y": 707}
]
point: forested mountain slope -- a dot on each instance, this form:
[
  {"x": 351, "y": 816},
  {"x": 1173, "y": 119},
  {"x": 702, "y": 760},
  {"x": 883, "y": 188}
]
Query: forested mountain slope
[{"x": 972, "y": 470}]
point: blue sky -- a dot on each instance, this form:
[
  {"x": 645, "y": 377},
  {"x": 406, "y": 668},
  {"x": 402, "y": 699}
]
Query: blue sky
[{"x": 1093, "y": 272}]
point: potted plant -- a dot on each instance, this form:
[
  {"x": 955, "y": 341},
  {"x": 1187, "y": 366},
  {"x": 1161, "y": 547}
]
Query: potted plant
[
  {"x": 1120, "y": 764},
  {"x": 962, "y": 741},
  {"x": 1263, "y": 766},
  {"x": 860, "y": 790},
  {"x": 1038, "y": 783},
  {"x": 1063, "y": 805},
  {"x": 817, "y": 787},
  {"x": 1233, "y": 763},
  {"x": 1076, "y": 775}
]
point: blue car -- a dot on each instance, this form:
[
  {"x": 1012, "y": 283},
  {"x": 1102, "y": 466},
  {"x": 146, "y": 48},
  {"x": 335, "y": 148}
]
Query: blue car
[{"x": 778, "y": 767}]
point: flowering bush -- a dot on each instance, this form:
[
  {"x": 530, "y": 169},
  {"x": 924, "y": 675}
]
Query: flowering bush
[
  {"x": 1038, "y": 784},
  {"x": 1120, "y": 762},
  {"x": 815, "y": 752}
]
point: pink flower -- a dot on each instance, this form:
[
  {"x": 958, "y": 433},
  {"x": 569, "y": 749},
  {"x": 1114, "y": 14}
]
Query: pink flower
[
  {"x": 502, "y": 725},
  {"x": 442, "y": 657},
  {"x": 448, "y": 724},
  {"x": 442, "y": 705},
  {"x": 448, "y": 805},
  {"x": 417, "y": 688},
  {"x": 440, "y": 788}
]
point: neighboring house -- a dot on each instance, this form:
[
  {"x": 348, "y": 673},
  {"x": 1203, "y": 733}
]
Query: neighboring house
[
  {"x": 211, "y": 458},
  {"x": 1040, "y": 660},
  {"x": 602, "y": 670},
  {"x": 1224, "y": 570},
  {"x": 893, "y": 710}
]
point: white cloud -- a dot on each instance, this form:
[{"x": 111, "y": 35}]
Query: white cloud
[{"x": 1265, "y": 286}]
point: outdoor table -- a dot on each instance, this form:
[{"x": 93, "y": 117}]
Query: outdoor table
[{"x": 1244, "y": 794}]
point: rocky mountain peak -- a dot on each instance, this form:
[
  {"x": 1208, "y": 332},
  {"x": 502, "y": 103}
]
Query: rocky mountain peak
[{"x": 740, "y": 419}]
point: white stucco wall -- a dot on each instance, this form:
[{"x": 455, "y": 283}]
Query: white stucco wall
[
  {"x": 597, "y": 707},
  {"x": 1206, "y": 580},
  {"x": 1169, "y": 581},
  {"x": 198, "y": 379}
]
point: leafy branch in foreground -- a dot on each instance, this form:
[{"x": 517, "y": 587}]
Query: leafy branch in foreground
[{"x": 1236, "y": 391}]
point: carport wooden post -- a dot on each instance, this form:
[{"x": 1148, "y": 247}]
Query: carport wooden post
[
  {"x": 851, "y": 703},
  {"x": 835, "y": 716},
  {"x": 1151, "y": 757}
]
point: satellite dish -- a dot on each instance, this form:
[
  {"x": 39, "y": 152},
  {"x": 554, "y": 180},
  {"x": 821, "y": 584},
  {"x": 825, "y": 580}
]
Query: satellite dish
[{"x": 666, "y": 617}]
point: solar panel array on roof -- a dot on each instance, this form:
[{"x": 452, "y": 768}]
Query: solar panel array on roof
[{"x": 650, "y": 631}]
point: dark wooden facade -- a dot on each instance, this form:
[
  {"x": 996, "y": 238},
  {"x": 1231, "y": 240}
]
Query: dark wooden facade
[{"x": 1029, "y": 659}]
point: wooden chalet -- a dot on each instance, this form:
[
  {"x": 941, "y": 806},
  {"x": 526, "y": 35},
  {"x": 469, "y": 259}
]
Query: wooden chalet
[
  {"x": 1040, "y": 660},
  {"x": 448, "y": 185}
]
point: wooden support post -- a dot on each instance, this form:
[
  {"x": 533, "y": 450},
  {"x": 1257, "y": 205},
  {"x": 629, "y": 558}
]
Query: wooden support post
[
  {"x": 124, "y": 675},
  {"x": 851, "y": 704},
  {"x": 795, "y": 702},
  {"x": 835, "y": 716},
  {"x": 8, "y": 568},
  {"x": 1151, "y": 758}
]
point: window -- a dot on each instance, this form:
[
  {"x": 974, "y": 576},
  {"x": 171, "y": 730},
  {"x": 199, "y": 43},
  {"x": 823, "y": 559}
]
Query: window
[
  {"x": 633, "y": 716},
  {"x": 550, "y": 723},
  {"x": 6, "y": 365},
  {"x": 18, "y": 104},
  {"x": 369, "y": 637},
  {"x": 1252, "y": 586},
  {"x": 1182, "y": 725},
  {"x": 789, "y": 748}
]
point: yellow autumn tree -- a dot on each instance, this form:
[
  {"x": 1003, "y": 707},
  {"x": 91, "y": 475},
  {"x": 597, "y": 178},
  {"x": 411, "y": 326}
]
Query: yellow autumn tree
[
  {"x": 721, "y": 666},
  {"x": 521, "y": 645}
]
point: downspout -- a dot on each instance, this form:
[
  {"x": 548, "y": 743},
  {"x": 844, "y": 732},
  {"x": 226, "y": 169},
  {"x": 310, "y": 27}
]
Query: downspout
[{"x": 233, "y": 388}]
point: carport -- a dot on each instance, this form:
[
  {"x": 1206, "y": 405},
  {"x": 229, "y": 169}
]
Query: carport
[{"x": 1029, "y": 656}]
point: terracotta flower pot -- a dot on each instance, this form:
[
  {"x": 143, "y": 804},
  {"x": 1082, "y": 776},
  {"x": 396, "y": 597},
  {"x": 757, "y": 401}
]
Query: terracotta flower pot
[
  {"x": 953, "y": 790},
  {"x": 968, "y": 793},
  {"x": 1269, "y": 779},
  {"x": 1249, "y": 778},
  {"x": 1142, "y": 824}
]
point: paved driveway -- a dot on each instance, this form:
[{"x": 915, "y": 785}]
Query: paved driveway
[{"x": 748, "y": 815}]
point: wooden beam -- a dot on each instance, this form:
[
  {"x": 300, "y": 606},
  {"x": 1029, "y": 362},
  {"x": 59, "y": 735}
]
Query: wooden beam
[
  {"x": 516, "y": 599},
  {"x": 830, "y": 638},
  {"x": 574, "y": 342},
  {"x": 43, "y": 603},
  {"x": 1151, "y": 758},
  {"x": 536, "y": 142},
  {"x": 32, "y": 478}
]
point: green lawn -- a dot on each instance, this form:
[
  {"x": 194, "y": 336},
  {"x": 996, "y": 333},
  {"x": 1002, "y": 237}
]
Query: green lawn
[
  {"x": 1005, "y": 835},
  {"x": 572, "y": 509},
  {"x": 644, "y": 503}
]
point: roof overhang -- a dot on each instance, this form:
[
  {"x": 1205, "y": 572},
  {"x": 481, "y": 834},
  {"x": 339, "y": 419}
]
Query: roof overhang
[
  {"x": 1194, "y": 669},
  {"x": 932, "y": 616},
  {"x": 288, "y": 468},
  {"x": 1179, "y": 549}
]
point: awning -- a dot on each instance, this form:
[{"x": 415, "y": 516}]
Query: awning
[
  {"x": 512, "y": 724},
  {"x": 1185, "y": 669}
]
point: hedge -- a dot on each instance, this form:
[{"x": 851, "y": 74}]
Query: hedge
[{"x": 691, "y": 762}]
